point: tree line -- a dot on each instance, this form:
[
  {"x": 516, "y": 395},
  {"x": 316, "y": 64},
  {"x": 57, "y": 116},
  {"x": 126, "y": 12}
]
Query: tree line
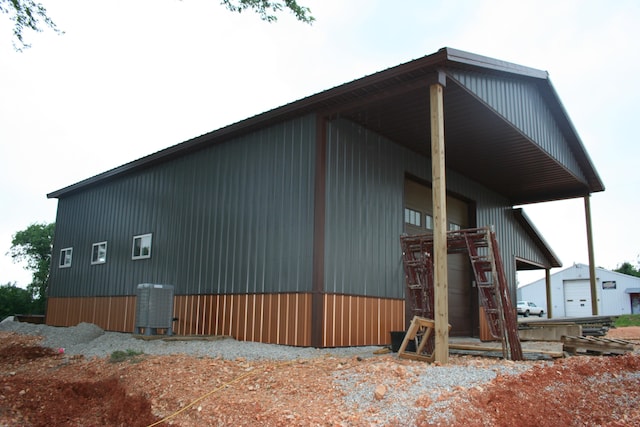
[{"x": 33, "y": 246}]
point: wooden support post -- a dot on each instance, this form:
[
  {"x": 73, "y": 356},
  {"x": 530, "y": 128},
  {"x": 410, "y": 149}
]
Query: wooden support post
[
  {"x": 441, "y": 288},
  {"x": 547, "y": 283},
  {"x": 592, "y": 266}
]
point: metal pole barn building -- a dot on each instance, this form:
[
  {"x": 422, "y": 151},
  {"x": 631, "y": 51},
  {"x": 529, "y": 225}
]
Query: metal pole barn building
[{"x": 284, "y": 228}]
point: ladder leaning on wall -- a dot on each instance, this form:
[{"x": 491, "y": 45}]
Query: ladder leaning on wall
[{"x": 482, "y": 248}]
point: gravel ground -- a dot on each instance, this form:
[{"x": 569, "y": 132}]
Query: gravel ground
[
  {"x": 258, "y": 384},
  {"x": 90, "y": 340},
  {"x": 434, "y": 383}
]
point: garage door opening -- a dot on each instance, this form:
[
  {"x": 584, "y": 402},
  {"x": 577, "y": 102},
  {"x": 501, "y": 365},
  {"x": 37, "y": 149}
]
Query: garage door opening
[{"x": 418, "y": 219}]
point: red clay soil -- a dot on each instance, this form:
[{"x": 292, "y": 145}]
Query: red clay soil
[
  {"x": 626, "y": 333},
  {"x": 39, "y": 387},
  {"x": 578, "y": 391}
]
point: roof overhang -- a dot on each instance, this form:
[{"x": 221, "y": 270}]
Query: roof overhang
[
  {"x": 480, "y": 143},
  {"x": 552, "y": 260}
]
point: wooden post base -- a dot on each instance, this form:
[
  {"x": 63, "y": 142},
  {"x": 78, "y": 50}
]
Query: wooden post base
[{"x": 420, "y": 330}]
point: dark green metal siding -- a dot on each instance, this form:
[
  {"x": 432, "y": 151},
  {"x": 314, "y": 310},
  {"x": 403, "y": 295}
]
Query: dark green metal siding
[
  {"x": 231, "y": 218},
  {"x": 365, "y": 181},
  {"x": 520, "y": 102},
  {"x": 365, "y": 176},
  {"x": 238, "y": 218}
]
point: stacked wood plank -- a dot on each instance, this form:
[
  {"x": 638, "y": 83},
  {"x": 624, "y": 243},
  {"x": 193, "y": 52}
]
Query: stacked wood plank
[{"x": 593, "y": 345}]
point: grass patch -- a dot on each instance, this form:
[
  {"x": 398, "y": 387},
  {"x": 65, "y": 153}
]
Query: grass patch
[
  {"x": 627, "y": 320},
  {"x": 130, "y": 355}
]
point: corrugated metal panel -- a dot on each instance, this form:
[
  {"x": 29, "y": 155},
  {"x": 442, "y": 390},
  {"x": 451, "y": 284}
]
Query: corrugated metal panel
[
  {"x": 356, "y": 320},
  {"x": 365, "y": 179},
  {"x": 520, "y": 102},
  {"x": 232, "y": 218},
  {"x": 110, "y": 313},
  {"x": 363, "y": 213},
  {"x": 278, "y": 319},
  {"x": 237, "y": 218}
]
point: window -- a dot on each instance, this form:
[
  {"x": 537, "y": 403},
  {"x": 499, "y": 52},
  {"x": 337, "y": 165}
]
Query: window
[
  {"x": 412, "y": 217},
  {"x": 99, "y": 253},
  {"x": 65, "y": 257},
  {"x": 141, "y": 247},
  {"x": 428, "y": 222},
  {"x": 454, "y": 227}
]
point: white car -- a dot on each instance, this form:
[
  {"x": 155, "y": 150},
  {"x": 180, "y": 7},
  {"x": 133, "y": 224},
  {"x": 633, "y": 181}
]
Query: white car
[{"x": 526, "y": 308}]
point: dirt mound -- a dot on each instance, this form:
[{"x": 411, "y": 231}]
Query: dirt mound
[
  {"x": 578, "y": 391},
  {"x": 15, "y": 353},
  {"x": 61, "y": 403},
  {"x": 42, "y": 387}
]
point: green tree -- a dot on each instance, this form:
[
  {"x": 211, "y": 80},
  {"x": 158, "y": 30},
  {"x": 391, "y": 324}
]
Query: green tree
[
  {"x": 14, "y": 300},
  {"x": 26, "y": 15},
  {"x": 628, "y": 268},
  {"x": 33, "y": 245},
  {"x": 31, "y": 15},
  {"x": 268, "y": 9}
]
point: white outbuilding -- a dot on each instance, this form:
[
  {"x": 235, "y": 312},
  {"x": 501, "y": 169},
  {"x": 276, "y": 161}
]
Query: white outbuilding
[{"x": 570, "y": 293}]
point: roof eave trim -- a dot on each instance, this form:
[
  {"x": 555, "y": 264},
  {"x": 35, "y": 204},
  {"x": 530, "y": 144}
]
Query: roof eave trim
[
  {"x": 533, "y": 232},
  {"x": 595, "y": 182},
  {"x": 467, "y": 58},
  {"x": 308, "y": 105}
]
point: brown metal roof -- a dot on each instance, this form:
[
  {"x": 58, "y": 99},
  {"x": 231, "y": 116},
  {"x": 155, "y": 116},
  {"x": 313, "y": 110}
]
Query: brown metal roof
[{"x": 480, "y": 144}]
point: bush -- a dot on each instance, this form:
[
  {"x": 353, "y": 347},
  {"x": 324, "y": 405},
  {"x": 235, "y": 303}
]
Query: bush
[{"x": 14, "y": 300}]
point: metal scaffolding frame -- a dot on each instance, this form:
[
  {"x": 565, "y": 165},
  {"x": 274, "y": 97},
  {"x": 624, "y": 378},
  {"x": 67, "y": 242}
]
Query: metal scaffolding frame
[{"x": 482, "y": 248}]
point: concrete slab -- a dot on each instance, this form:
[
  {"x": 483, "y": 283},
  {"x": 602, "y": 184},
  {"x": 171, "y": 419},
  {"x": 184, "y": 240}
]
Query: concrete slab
[{"x": 548, "y": 331}]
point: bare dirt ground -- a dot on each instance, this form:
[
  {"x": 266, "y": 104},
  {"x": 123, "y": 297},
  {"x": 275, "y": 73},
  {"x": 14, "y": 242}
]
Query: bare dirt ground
[{"x": 41, "y": 387}]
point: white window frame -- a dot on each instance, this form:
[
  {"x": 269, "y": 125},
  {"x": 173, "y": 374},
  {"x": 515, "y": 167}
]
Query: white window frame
[
  {"x": 428, "y": 222},
  {"x": 412, "y": 217},
  {"x": 142, "y": 237},
  {"x": 100, "y": 246},
  {"x": 66, "y": 255}
]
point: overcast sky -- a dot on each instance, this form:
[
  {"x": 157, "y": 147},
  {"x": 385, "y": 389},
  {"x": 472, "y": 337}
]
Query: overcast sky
[{"x": 133, "y": 77}]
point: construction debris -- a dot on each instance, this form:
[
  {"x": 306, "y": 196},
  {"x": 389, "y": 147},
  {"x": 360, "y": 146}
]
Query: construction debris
[
  {"x": 420, "y": 331},
  {"x": 591, "y": 345},
  {"x": 481, "y": 245},
  {"x": 484, "y": 349}
]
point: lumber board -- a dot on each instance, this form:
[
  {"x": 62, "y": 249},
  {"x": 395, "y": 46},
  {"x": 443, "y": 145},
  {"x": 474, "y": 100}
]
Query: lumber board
[
  {"x": 419, "y": 325},
  {"x": 473, "y": 347},
  {"x": 572, "y": 344}
]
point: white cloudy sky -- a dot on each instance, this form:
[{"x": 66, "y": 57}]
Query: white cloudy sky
[{"x": 132, "y": 77}]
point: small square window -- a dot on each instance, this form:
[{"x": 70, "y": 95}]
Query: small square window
[
  {"x": 65, "y": 257},
  {"x": 412, "y": 217},
  {"x": 428, "y": 222},
  {"x": 99, "y": 253},
  {"x": 141, "y": 247}
]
